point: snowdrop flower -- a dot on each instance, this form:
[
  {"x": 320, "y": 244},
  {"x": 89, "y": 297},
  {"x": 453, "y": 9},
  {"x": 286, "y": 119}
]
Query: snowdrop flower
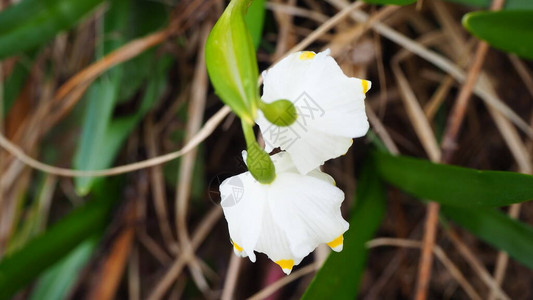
[
  {"x": 286, "y": 219},
  {"x": 330, "y": 108}
]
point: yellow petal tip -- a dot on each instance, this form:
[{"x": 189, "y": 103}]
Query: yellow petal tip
[
  {"x": 337, "y": 244},
  {"x": 306, "y": 55},
  {"x": 236, "y": 247},
  {"x": 286, "y": 265},
  {"x": 366, "y": 85}
]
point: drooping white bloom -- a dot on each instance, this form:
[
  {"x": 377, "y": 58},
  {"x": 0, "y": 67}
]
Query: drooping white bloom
[
  {"x": 286, "y": 219},
  {"x": 330, "y": 108}
]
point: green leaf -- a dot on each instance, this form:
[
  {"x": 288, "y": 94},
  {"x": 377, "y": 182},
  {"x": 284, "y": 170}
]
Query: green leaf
[
  {"x": 59, "y": 279},
  {"x": 509, "y": 4},
  {"x": 341, "y": 273},
  {"x": 21, "y": 267},
  {"x": 390, "y": 2},
  {"x": 231, "y": 61},
  {"x": 497, "y": 229},
  {"x": 31, "y": 23},
  {"x": 255, "y": 19},
  {"x": 510, "y": 30},
  {"x": 452, "y": 185}
]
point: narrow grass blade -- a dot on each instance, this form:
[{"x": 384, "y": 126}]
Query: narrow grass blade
[
  {"x": 509, "y": 4},
  {"x": 452, "y": 185},
  {"x": 496, "y": 228}
]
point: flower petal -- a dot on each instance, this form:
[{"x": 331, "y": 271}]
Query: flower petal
[
  {"x": 275, "y": 244},
  {"x": 337, "y": 244},
  {"x": 308, "y": 211},
  {"x": 309, "y": 153},
  {"x": 243, "y": 200},
  {"x": 330, "y": 107}
]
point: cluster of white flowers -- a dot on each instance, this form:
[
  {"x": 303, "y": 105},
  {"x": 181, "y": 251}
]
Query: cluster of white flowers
[{"x": 289, "y": 217}]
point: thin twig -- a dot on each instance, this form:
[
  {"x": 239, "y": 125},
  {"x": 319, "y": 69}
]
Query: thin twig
[
  {"x": 416, "y": 114},
  {"x": 439, "y": 61},
  {"x": 177, "y": 266},
  {"x": 508, "y": 132},
  {"x": 429, "y": 142},
  {"x": 122, "y": 54},
  {"x": 158, "y": 186},
  {"x": 441, "y": 255},
  {"x": 134, "y": 276},
  {"x": 381, "y": 131},
  {"x": 381, "y": 75},
  {"x": 350, "y": 36},
  {"x": 524, "y": 73},
  {"x": 208, "y": 128},
  {"x": 232, "y": 276},
  {"x": 269, "y": 290},
  {"x": 285, "y": 36},
  {"x": 428, "y": 246},
  {"x": 297, "y": 11},
  {"x": 327, "y": 26},
  {"x": 455, "y": 119},
  {"x": 184, "y": 179},
  {"x": 476, "y": 264}
]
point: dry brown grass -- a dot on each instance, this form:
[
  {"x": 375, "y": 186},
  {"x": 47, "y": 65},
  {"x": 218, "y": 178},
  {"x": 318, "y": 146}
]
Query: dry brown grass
[{"x": 421, "y": 64}]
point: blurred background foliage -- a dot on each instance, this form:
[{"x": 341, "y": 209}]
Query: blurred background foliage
[{"x": 91, "y": 84}]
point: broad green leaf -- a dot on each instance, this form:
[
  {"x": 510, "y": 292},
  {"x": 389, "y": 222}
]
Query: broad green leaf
[
  {"x": 58, "y": 280},
  {"x": 231, "y": 61},
  {"x": 509, "y": 4},
  {"x": 452, "y": 185},
  {"x": 390, "y": 2},
  {"x": 31, "y": 23},
  {"x": 21, "y": 267},
  {"x": 496, "y": 228},
  {"x": 509, "y": 30},
  {"x": 255, "y": 19},
  {"x": 341, "y": 274}
]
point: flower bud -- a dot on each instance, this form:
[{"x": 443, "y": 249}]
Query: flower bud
[
  {"x": 259, "y": 164},
  {"x": 258, "y": 161},
  {"x": 280, "y": 112}
]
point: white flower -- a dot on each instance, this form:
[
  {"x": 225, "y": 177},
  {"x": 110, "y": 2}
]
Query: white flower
[
  {"x": 286, "y": 219},
  {"x": 330, "y": 108}
]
